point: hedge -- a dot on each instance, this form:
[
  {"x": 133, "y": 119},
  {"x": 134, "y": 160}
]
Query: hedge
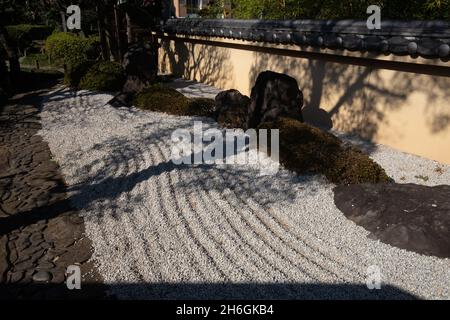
[
  {"x": 103, "y": 76},
  {"x": 71, "y": 49},
  {"x": 23, "y": 34}
]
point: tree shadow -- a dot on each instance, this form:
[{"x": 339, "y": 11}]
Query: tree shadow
[
  {"x": 358, "y": 97},
  {"x": 206, "y": 64},
  {"x": 98, "y": 180}
]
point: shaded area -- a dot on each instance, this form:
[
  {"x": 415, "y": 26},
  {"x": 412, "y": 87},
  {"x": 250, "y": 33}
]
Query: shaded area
[
  {"x": 408, "y": 216},
  {"x": 206, "y": 64},
  {"x": 357, "y": 99},
  {"x": 227, "y": 291},
  {"x": 40, "y": 233}
]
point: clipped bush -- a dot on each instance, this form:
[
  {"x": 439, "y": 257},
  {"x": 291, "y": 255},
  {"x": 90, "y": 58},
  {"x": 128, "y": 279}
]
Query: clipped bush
[
  {"x": 165, "y": 99},
  {"x": 103, "y": 76},
  {"x": 71, "y": 49},
  {"x": 75, "y": 72},
  {"x": 24, "y": 34},
  {"x": 307, "y": 149}
]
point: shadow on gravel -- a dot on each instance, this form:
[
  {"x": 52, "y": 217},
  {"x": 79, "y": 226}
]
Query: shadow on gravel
[{"x": 207, "y": 291}]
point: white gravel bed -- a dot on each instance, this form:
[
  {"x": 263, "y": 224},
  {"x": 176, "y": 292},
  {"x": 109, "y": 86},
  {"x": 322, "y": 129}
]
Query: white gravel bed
[{"x": 166, "y": 231}]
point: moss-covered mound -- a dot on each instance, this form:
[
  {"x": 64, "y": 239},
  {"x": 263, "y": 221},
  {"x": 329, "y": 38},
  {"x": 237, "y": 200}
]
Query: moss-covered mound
[
  {"x": 103, "y": 76},
  {"x": 165, "y": 99},
  {"x": 233, "y": 117},
  {"x": 75, "y": 72},
  {"x": 307, "y": 149}
]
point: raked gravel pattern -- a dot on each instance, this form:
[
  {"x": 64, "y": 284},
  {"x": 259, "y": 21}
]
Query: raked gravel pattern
[{"x": 219, "y": 231}]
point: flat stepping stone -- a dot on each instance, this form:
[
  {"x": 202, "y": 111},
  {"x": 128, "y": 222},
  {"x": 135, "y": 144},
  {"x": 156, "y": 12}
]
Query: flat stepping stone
[
  {"x": 42, "y": 276},
  {"x": 408, "y": 216}
]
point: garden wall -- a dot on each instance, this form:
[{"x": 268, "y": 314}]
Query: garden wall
[{"x": 389, "y": 97}]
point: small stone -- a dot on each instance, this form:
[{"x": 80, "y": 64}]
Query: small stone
[
  {"x": 24, "y": 265},
  {"x": 45, "y": 265},
  {"x": 15, "y": 277},
  {"x": 42, "y": 276}
]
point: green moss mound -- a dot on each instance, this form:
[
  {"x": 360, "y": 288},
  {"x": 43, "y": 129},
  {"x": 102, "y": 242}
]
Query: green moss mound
[
  {"x": 102, "y": 76},
  {"x": 307, "y": 149},
  {"x": 75, "y": 72},
  {"x": 165, "y": 99},
  {"x": 234, "y": 116}
]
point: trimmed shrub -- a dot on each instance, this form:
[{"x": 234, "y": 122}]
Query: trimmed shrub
[
  {"x": 75, "y": 72},
  {"x": 201, "y": 107},
  {"x": 71, "y": 49},
  {"x": 24, "y": 34},
  {"x": 165, "y": 99},
  {"x": 103, "y": 76},
  {"x": 307, "y": 149}
]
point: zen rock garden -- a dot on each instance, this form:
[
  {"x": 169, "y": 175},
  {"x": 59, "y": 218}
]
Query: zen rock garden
[{"x": 93, "y": 205}]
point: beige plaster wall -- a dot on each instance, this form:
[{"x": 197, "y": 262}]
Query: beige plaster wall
[{"x": 409, "y": 111}]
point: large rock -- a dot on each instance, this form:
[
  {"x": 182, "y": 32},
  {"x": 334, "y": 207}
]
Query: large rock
[
  {"x": 231, "y": 109},
  {"x": 140, "y": 63},
  {"x": 408, "y": 216},
  {"x": 274, "y": 95}
]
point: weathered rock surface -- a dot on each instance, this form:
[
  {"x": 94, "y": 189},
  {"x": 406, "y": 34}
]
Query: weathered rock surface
[
  {"x": 408, "y": 216},
  {"x": 140, "y": 63},
  {"x": 231, "y": 109},
  {"x": 274, "y": 95}
]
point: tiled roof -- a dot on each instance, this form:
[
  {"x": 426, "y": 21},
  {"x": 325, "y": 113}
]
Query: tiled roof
[{"x": 429, "y": 39}]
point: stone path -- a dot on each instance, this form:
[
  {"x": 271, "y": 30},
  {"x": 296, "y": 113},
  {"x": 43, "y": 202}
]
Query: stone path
[{"x": 40, "y": 233}]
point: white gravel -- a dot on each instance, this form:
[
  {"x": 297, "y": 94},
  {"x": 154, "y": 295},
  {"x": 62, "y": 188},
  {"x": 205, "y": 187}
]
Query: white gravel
[{"x": 166, "y": 231}]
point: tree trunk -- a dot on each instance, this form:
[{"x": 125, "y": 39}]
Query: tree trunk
[
  {"x": 13, "y": 57},
  {"x": 102, "y": 34},
  {"x": 111, "y": 37},
  {"x": 117, "y": 29},
  {"x": 129, "y": 30},
  {"x": 63, "y": 21}
]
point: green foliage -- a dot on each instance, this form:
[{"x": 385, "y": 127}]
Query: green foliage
[
  {"x": 30, "y": 60},
  {"x": 307, "y": 149},
  {"x": 71, "y": 49},
  {"x": 165, "y": 99},
  {"x": 75, "y": 72},
  {"x": 213, "y": 10},
  {"x": 103, "y": 76},
  {"x": 337, "y": 9},
  {"x": 23, "y": 34},
  {"x": 235, "y": 116}
]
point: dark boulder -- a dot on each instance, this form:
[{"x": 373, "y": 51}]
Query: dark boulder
[
  {"x": 140, "y": 63},
  {"x": 274, "y": 95},
  {"x": 231, "y": 109},
  {"x": 408, "y": 216}
]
